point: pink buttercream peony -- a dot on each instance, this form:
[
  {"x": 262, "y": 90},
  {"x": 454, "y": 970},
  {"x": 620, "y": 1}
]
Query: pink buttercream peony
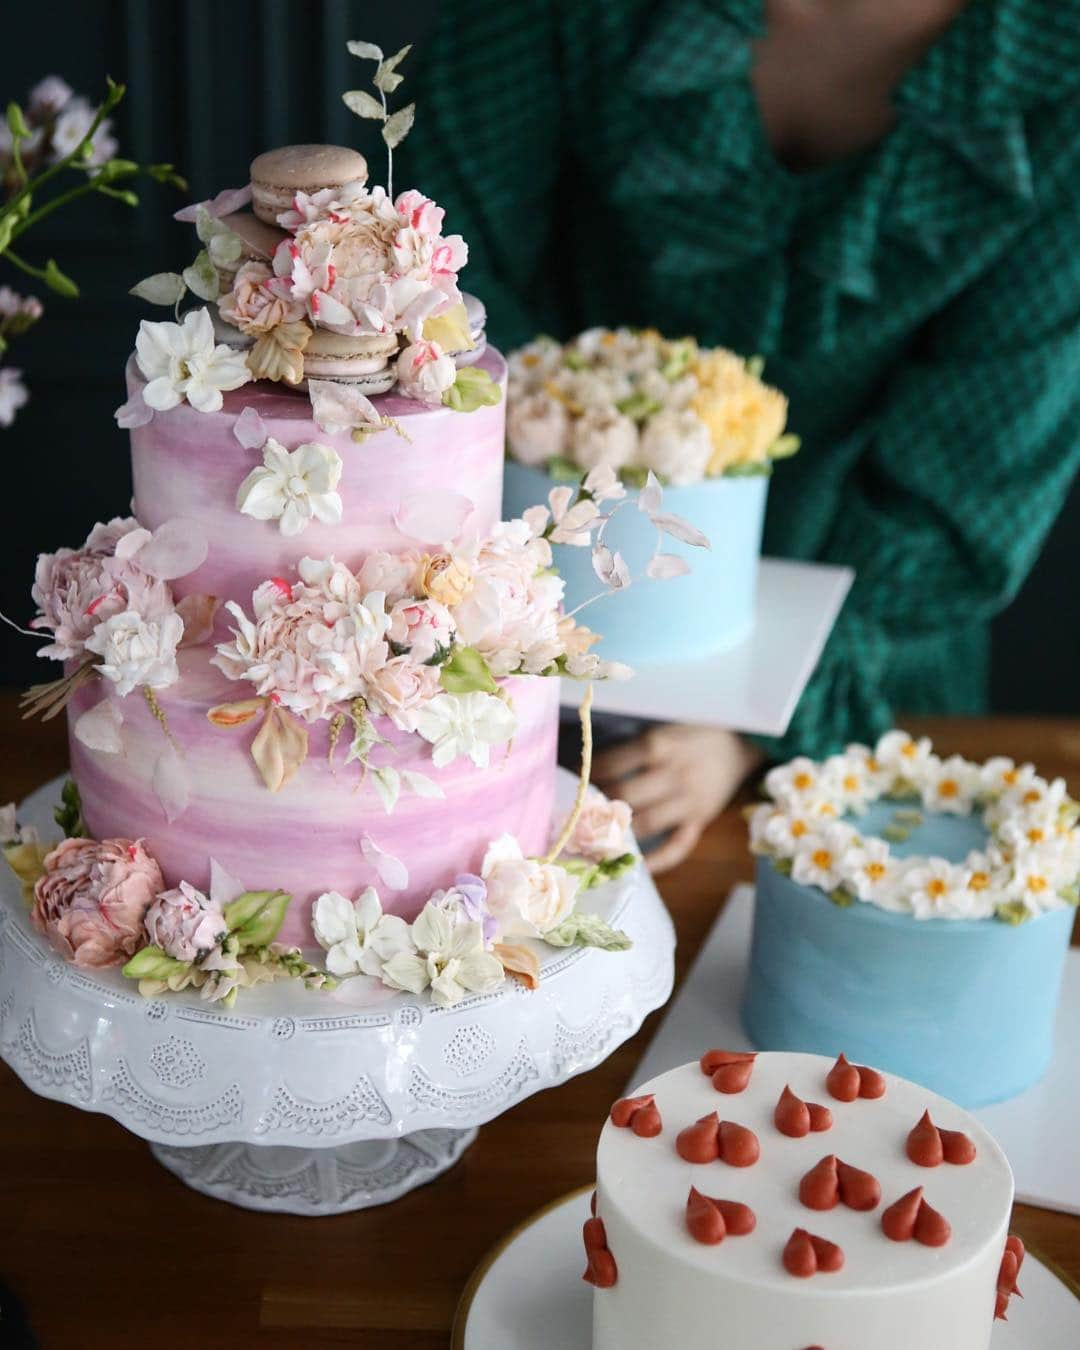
[
  {"x": 252, "y": 307},
  {"x": 93, "y": 897},
  {"x": 400, "y": 688},
  {"x": 419, "y": 212},
  {"x": 184, "y": 923},
  {"x": 392, "y": 573},
  {"x": 425, "y": 372},
  {"x": 602, "y": 830},
  {"x": 423, "y": 626}
]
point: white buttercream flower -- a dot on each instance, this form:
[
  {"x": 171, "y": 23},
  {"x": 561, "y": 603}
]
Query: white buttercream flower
[
  {"x": 181, "y": 361},
  {"x": 795, "y": 780},
  {"x": 903, "y": 756},
  {"x": 465, "y": 724},
  {"x": 137, "y": 652},
  {"x": 1001, "y": 775},
  {"x": 13, "y": 394},
  {"x": 293, "y": 487},
  {"x": 819, "y": 859},
  {"x": 676, "y": 446},
  {"x": 602, "y": 436},
  {"x": 985, "y": 878},
  {"x": 936, "y": 888},
  {"x": 357, "y": 936},
  {"x": 526, "y": 897},
  {"x": 878, "y": 777},
  {"x": 948, "y": 785},
  {"x": 537, "y": 428},
  {"x": 448, "y": 957},
  {"x": 871, "y": 872},
  {"x": 787, "y": 828},
  {"x": 851, "y": 781},
  {"x": 425, "y": 372}
]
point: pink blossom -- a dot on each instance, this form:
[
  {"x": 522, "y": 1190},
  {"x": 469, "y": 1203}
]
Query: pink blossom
[
  {"x": 400, "y": 688},
  {"x": 423, "y": 626},
  {"x": 419, "y": 212},
  {"x": 425, "y": 372},
  {"x": 392, "y": 573},
  {"x": 92, "y": 898},
  {"x": 184, "y": 923},
  {"x": 602, "y": 830},
  {"x": 252, "y": 307}
]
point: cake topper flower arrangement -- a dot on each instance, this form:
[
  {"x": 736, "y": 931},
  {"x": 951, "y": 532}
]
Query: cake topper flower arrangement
[
  {"x": 55, "y": 136},
  {"x": 639, "y": 403},
  {"x": 327, "y": 285}
]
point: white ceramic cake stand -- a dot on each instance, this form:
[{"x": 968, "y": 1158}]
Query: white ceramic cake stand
[
  {"x": 528, "y": 1292},
  {"x": 311, "y": 1103}
]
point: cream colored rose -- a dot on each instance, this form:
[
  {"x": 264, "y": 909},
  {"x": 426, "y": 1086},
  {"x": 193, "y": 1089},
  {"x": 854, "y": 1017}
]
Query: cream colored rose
[
  {"x": 676, "y": 446},
  {"x": 526, "y": 898},
  {"x": 445, "y": 578},
  {"x": 602, "y": 830},
  {"x": 603, "y": 436},
  {"x": 252, "y": 308},
  {"x": 536, "y": 427}
]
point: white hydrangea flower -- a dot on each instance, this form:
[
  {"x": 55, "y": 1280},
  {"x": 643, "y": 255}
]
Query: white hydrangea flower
[
  {"x": 447, "y": 956},
  {"x": 181, "y": 361},
  {"x": 465, "y": 724},
  {"x": 357, "y": 936},
  {"x": 137, "y": 652},
  {"x": 293, "y": 487}
]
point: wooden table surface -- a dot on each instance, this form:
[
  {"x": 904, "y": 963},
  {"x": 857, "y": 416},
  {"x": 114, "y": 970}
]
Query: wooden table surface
[{"x": 105, "y": 1248}]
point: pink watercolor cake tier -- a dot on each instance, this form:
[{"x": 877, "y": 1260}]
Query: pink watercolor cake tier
[
  {"x": 191, "y": 465},
  {"x": 307, "y": 838}
]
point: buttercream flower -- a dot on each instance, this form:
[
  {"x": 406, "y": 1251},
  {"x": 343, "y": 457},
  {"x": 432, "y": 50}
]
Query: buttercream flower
[
  {"x": 531, "y": 366},
  {"x": 936, "y": 888},
  {"x": 537, "y": 428},
  {"x": 181, "y": 361},
  {"x": 252, "y": 307},
  {"x": 466, "y": 902},
  {"x": 392, "y": 573},
  {"x": 849, "y": 778},
  {"x": 425, "y": 372},
  {"x": 444, "y": 577},
  {"x": 333, "y": 203},
  {"x": 785, "y": 831},
  {"x": 603, "y": 436},
  {"x": 356, "y": 935},
  {"x": 74, "y": 592},
  {"x": 424, "y": 627},
  {"x": 420, "y": 213},
  {"x": 400, "y": 688},
  {"x": 602, "y": 831},
  {"x": 293, "y": 487},
  {"x": 871, "y": 873},
  {"x": 903, "y": 756},
  {"x": 13, "y": 394},
  {"x": 526, "y": 897},
  {"x": 676, "y": 446},
  {"x": 1001, "y": 775},
  {"x": 184, "y": 923},
  {"x": 137, "y": 652},
  {"x": 93, "y": 898},
  {"x": 744, "y": 417},
  {"x": 948, "y": 786},
  {"x": 465, "y": 725},
  {"x": 799, "y": 778},
  {"x": 449, "y": 957},
  {"x": 819, "y": 857}
]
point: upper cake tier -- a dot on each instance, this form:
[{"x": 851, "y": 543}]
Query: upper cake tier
[{"x": 397, "y": 487}]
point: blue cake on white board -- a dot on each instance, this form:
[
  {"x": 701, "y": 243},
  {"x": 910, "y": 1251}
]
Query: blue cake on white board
[
  {"x": 915, "y": 910},
  {"x": 705, "y": 425}
]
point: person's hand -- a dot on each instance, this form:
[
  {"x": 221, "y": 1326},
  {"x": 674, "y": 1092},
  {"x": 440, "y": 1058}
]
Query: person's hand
[{"x": 677, "y": 779}]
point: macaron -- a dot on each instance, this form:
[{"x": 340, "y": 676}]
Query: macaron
[
  {"x": 228, "y": 334},
  {"x": 365, "y": 362},
  {"x": 257, "y": 243},
  {"x": 278, "y": 175},
  {"x": 476, "y": 315}
]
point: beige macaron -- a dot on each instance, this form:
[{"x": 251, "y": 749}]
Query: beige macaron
[
  {"x": 278, "y": 175},
  {"x": 257, "y": 243},
  {"x": 361, "y": 361}
]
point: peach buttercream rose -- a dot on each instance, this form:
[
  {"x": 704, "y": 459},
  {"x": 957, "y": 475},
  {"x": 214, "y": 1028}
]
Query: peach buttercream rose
[
  {"x": 602, "y": 830},
  {"x": 444, "y": 577},
  {"x": 93, "y": 897},
  {"x": 400, "y": 689},
  {"x": 252, "y": 307},
  {"x": 526, "y": 897}
]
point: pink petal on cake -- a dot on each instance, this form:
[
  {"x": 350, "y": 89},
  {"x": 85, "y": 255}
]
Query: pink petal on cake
[
  {"x": 172, "y": 783},
  {"x": 225, "y": 203},
  {"x": 198, "y": 613},
  {"x": 434, "y": 517},
  {"x": 99, "y": 728},
  {"x": 391, "y": 871},
  {"x": 250, "y": 430},
  {"x": 176, "y": 548},
  {"x": 223, "y": 885}
]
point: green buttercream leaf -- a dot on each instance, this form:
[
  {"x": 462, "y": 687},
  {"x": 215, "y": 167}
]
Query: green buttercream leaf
[
  {"x": 588, "y": 930},
  {"x": 474, "y": 388},
  {"x": 60, "y": 283},
  {"x": 202, "y": 279},
  {"x": 68, "y": 815},
  {"x": 895, "y": 834},
  {"x": 908, "y": 817},
  {"x": 563, "y": 470},
  {"x": 363, "y": 104},
  {"x": 760, "y": 469},
  {"x": 784, "y": 447},
  {"x": 755, "y": 365},
  {"x": 575, "y": 360},
  {"x": 163, "y": 288},
  {"x": 466, "y": 672},
  {"x": 1012, "y": 912},
  {"x": 782, "y": 865},
  {"x": 638, "y": 406},
  {"x": 841, "y": 897},
  {"x": 255, "y": 917},
  {"x": 635, "y": 476},
  {"x": 1071, "y": 895},
  {"x": 152, "y": 964},
  {"x": 681, "y": 355},
  {"x": 613, "y": 868}
]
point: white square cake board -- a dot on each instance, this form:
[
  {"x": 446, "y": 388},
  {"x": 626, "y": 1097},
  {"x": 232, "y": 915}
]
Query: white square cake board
[
  {"x": 1038, "y": 1130},
  {"x": 754, "y": 686}
]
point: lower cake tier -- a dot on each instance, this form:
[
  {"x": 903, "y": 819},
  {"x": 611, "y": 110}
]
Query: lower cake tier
[
  {"x": 795, "y": 1265},
  {"x": 307, "y": 837},
  {"x": 704, "y": 611},
  {"x": 966, "y": 1007}
]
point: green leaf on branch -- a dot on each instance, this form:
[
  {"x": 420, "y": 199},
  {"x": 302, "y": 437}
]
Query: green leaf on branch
[
  {"x": 367, "y": 51},
  {"x": 474, "y": 388},
  {"x": 7, "y": 228},
  {"x": 255, "y": 917},
  {"x": 398, "y": 126},
  {"x": 152, "y": 964},
  {"x": 467, "y": 672},
  {"x": 202, "y": 279},
  {"x": 68, "y": 815},
  {"x": 784, "y": 447},
  {"x": 563, "y": 470},
  {"x": 588, "y": 930},
  {"x": 363, "y": 104},
  {"x": 17, "y": 122},
  {"x": 163, "y": 288},
  {"x": 60, "y": 283}
]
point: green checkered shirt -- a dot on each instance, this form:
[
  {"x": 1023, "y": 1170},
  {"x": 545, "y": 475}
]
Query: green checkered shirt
[{"x": 919, "y": 302}]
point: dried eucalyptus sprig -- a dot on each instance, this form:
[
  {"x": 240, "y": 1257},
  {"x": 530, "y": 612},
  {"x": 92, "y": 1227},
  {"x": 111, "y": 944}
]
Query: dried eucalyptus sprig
[{"x": 395, "y": 126}]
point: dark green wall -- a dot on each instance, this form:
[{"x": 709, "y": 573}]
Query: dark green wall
[{"x": 210, "y": 84}]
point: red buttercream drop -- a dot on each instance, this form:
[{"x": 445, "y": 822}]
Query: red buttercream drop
[
  {"x": 842, "y": 1080},
  {"x": 1007, "y": 1273},
  {"x": 957, "y": 1147},
  {"x": 600, "y": 1270},
  {"x": 871, "y": 1083},
  {"x": 592, "y": 1204},
  {"x": 712, "y": 1060},
  {"x": 646, "y": 1122},
  {"x": 704, "y": 1221},
  {"x": 931, "y": 1228},
  {"x": 593, "y": 1234},
  {"x": 805, "y": 1254},
  {"x": 1001, "y": 1307},
  {"x": 739, "y": 1146},
  {"x": 898, "y": 1220},
  {"x": 1015, "y": 1244},
  {"x": 740, "y": 1219},
  {"x": 830, "y": 1257},
  {"x": 858, "y": 1190},
  {"x": 700, "y": 1143},
  {"x": 624, "y": 1110},
  {"x": 792, "y": 1115},
  {"x": 732, "y": 1078},
  {"x": 820, "y": 1117},
  {"x": 924, "y": 1144},
  {"x": 820, "y": 1187},
  {"x": 1011, "y": 1261}
]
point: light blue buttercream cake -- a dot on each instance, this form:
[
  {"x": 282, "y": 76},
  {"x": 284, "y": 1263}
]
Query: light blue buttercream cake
[
  {"x": 966, "y": 1007},
  {"x": 684, "y": 618}
]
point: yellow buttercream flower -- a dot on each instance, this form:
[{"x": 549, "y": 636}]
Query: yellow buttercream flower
[{"x": 744, "y": 416}]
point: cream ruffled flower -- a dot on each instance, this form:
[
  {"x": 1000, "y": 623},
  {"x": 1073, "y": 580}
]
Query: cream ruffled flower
[
  {"x": 293, "y": 487},
  {"x": 181, "y": 361},
  {"x": 465, "y": 725},
  {"x": 448, "y": 957},
  {"x": 137, "y": 652},
  {"x": 356, "y": 935},
  {"x": 526, "y": 897}
]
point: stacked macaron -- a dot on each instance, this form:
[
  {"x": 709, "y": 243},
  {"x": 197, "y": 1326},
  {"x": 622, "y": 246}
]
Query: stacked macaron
[{"x": 278, "y": 175}]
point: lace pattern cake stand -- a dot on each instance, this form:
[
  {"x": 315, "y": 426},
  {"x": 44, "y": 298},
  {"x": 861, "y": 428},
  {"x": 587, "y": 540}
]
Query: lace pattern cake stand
[{"x": 311, "y": 1103}]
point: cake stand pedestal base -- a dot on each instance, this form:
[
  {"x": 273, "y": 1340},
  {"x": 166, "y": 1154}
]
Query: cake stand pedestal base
[{"x": 315, "y": 1181}]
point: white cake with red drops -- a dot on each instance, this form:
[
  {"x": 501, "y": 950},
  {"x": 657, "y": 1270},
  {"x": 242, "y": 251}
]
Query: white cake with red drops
[{"x": 790, "y": 1202}]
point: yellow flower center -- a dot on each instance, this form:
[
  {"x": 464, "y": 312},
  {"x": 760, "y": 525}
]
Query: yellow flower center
[
  {"x": 936, "y": 888},
  {"x": 875, "y": 870},
  {"x": 1031, "y": 796},
  {"x": 1009, "y": 776},
  {"x": 908, "y": 749},
  {"x": 530, "y": 359},
  {"x": 978, "y": 881},
  {"x": 873, "y": 765},
  {"x": 827, "y": 809},
  {"x": 802, "y": 781},
  {"x": 948, "y": 787},
  {"x": 1035, "y": 835},
  {"x": 798, "y": 828},
  {"x": 1037, "y": 884},
  {"x": 822, "y": 858},
  {"x": 850, "y": 783}
]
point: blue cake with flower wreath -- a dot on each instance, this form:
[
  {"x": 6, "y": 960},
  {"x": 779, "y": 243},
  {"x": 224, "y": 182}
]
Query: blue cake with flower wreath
[
  {"x": 700, "y": 422},
  {"x": 915, "y": 910}
]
